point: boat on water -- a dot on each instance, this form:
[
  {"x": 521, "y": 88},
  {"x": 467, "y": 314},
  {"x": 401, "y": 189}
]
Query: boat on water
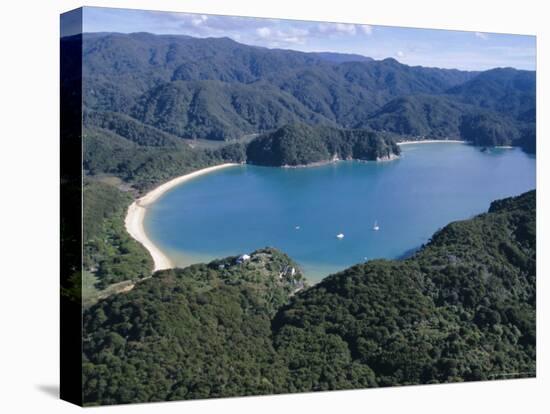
[
  {"x": 376, "y": 227},
  {"x": 340, "y": 236}
]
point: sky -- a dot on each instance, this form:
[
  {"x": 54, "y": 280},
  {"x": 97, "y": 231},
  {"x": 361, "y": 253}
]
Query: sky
[{"x": 425, "y": 47}]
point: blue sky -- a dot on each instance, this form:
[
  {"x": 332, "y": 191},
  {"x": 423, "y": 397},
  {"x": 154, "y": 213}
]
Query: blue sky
[{"x": 426, "y": 47}]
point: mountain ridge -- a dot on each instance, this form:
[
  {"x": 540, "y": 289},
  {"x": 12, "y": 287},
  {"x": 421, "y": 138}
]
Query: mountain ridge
[{"x": 261, "y": 89}]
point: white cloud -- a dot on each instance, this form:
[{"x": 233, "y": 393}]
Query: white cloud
[
  {"x": 299, "y": 32},
  {"x": 292, "y": 39},
  {"x": 281, "y": 37},
  {"x": 336, "y": 28},
  {"x": 323, "y": 27},
  {"x": 366, "y": 29},
  {"x": 346, "y": 28},
  {"x": 483, "y": 36},
  {"x": 199, "y": 20},
  {"x": 263, "y": 32}
]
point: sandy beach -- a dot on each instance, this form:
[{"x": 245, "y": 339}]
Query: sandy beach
[
  {"x": 433, "y": 141},
  {"x": 136, "y": 214}
]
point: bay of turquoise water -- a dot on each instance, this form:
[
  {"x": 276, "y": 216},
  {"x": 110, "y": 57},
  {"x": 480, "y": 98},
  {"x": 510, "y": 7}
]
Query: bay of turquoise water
[{"x": 300, "y": 211}]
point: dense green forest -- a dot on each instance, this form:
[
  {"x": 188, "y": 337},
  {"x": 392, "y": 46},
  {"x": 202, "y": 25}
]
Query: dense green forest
[
  {"x": 109, "y": 251},
  {"x": 461, "y": 309},
  {"x": 301, "y": 144},
  {"x": 219, "y": 89},
  {"x": 218, "y": 110},
  {"x": 419, "y": 116},
  {"x": 489, "y": 130},
  {"x": 201, "y": 331},
  {"x": 146, "y": 166},
  {"x": 129, "y": 73}
]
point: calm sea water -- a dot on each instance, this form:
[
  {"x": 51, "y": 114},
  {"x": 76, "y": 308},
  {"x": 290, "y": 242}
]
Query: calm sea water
[{"x": 300, "y": 211}]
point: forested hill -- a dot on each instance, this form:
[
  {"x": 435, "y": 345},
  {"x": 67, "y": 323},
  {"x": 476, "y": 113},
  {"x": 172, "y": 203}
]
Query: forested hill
[
  {"x": 461, "y": 309},
  {"x": 219, "y": 89},
  {"x": 201, "y": 331},
  {"x": 120, "y": 68},
  {"x": 300, "y": 144}
]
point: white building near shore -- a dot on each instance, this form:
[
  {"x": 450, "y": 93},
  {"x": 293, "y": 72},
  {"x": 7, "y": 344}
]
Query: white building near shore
[{"x": 243, "y": 258}]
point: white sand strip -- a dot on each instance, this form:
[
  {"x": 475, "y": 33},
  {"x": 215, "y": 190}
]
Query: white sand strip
[
  {"x": 433, "y": 141},
  {"x": 136, "y": 214}
]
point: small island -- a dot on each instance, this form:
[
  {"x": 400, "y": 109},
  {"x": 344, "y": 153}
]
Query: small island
[{"x": 297, "y": 145}]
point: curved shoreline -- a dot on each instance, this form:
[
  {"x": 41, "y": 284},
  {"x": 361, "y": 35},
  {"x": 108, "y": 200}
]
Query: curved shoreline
[
  {"x": 136, "y": 214},
  {"x": 433, "y": 141}
]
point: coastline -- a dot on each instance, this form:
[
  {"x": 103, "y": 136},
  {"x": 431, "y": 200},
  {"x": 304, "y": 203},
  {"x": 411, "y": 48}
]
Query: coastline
[
  {"x": 310, "y": 165},
  {"x": 433, "y": 141},
  {"x": 385, "y": 158},
  {"x": 136, "y": 214}
]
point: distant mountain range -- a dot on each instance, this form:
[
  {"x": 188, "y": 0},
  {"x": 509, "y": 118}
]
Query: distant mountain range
[
  {"x": 342, "y": 57},
  {"x": 218, "y": 89}
]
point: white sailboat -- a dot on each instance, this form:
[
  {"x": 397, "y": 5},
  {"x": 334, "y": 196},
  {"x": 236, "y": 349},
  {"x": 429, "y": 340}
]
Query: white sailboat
[{"x": 376, "y": 227}]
